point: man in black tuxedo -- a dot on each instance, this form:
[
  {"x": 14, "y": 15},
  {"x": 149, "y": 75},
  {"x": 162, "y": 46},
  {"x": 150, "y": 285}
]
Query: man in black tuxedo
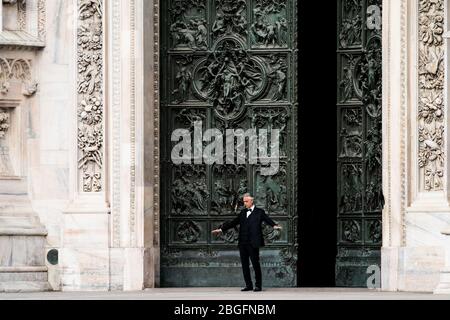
[{"x": 250, "y": 239}]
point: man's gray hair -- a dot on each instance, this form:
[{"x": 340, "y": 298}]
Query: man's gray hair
[{"x": 248, "y": 195}]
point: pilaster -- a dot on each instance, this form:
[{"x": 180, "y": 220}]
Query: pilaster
[{"x": 86, "y": 221}]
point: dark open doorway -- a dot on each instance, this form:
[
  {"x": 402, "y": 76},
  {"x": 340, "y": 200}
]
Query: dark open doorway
[
  {"x": 340, "y": 144},
  {"x": 317, "y": 146}
]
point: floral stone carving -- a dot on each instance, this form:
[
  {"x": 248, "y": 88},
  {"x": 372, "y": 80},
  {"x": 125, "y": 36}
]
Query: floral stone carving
[{"x": 90, "y": 94}]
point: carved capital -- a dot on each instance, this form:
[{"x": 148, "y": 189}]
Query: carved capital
[{"x": 17, "y": 70}]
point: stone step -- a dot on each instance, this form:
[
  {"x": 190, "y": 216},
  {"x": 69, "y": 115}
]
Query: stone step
[
  {"x": 24, "y": 287},
  {"x": 22, "y": 251},
  {"x": 19, "y": 222},
  {"x": 21, "y": 225},
  {"x": 21, "y": 277}
]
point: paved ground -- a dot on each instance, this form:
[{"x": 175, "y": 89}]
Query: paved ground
[{"x": 229, "y": 294}]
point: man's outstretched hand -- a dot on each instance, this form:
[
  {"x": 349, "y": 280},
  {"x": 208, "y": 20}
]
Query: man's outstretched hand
[
  {"x": 278, "y": 227},
  {"x": 217, "y": 232}
]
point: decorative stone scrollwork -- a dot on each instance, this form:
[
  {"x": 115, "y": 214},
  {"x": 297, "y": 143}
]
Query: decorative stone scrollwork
[
  {"x": 4, "y": 123},
  {"x": 17, "y": 69},
  {"x": 90, "y": 94},
  {"x": 431, "y": 157},
  {"x": 5, "y": 159}
]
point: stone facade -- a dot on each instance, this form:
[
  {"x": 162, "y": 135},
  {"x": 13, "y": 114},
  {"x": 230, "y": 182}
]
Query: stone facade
[
  {"x": 414, "y": 161},
  {"x": 79, "y": 136}
]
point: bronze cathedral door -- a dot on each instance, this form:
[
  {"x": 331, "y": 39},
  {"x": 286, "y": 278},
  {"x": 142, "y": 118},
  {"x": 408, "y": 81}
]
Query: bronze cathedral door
[
  {"x": 227, "y": 64},
  {"x": 359, "y": 158}
]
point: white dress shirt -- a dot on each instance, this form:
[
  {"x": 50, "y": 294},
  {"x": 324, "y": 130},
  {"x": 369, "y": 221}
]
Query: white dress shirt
[{"x": 250, "y": 211}]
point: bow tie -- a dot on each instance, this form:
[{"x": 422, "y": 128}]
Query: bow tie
[{"x": 249, "y": 212}]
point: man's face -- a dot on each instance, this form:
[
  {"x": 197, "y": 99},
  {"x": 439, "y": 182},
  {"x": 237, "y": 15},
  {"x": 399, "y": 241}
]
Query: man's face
[{"x": 248, "y": 203}]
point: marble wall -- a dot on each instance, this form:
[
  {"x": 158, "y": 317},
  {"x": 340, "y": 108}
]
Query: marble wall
[
  {"x": 414, "y": 249},
  {"x": 50, "y": 126}
]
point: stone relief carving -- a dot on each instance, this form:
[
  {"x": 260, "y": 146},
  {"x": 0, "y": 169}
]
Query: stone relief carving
[
  {"x": 90, "y": 94},
  {"x": 41, "y": 20},
  {"x": 24, "y": 18},
  {"x": 4, "y": 152},
  {"x": 4, "y": 123},
  {"x": 5, "y": 161},
  {"x": 17, "y": 69},
  {"x": 431, "y": 84}
]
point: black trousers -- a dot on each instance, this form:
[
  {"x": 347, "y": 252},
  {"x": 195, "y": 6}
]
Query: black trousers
[{"x": 248, "y": 252}]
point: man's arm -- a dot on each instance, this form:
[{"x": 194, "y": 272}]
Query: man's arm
[
  {"x": 228, "y": 225},
  {"x": 269, "y": 221},
  {"x": 231, "y": 224}
]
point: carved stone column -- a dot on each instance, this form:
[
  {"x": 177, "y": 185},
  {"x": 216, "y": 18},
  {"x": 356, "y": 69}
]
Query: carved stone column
[
  {"x": 133, "y": 102},
  {"x": 415, "y": 152}
]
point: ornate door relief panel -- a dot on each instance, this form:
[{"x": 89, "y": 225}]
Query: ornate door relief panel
[
  {"x": 230, "y": 65},
  {"x": 359, "y": 114}
]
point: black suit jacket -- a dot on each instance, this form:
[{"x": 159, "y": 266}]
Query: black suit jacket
[{"x": 255, "y": 220}]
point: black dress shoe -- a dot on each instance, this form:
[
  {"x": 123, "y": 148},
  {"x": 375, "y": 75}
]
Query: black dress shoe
[
  {"x": 246, "y": 289},
  {"x": 257, "y": 289}
]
